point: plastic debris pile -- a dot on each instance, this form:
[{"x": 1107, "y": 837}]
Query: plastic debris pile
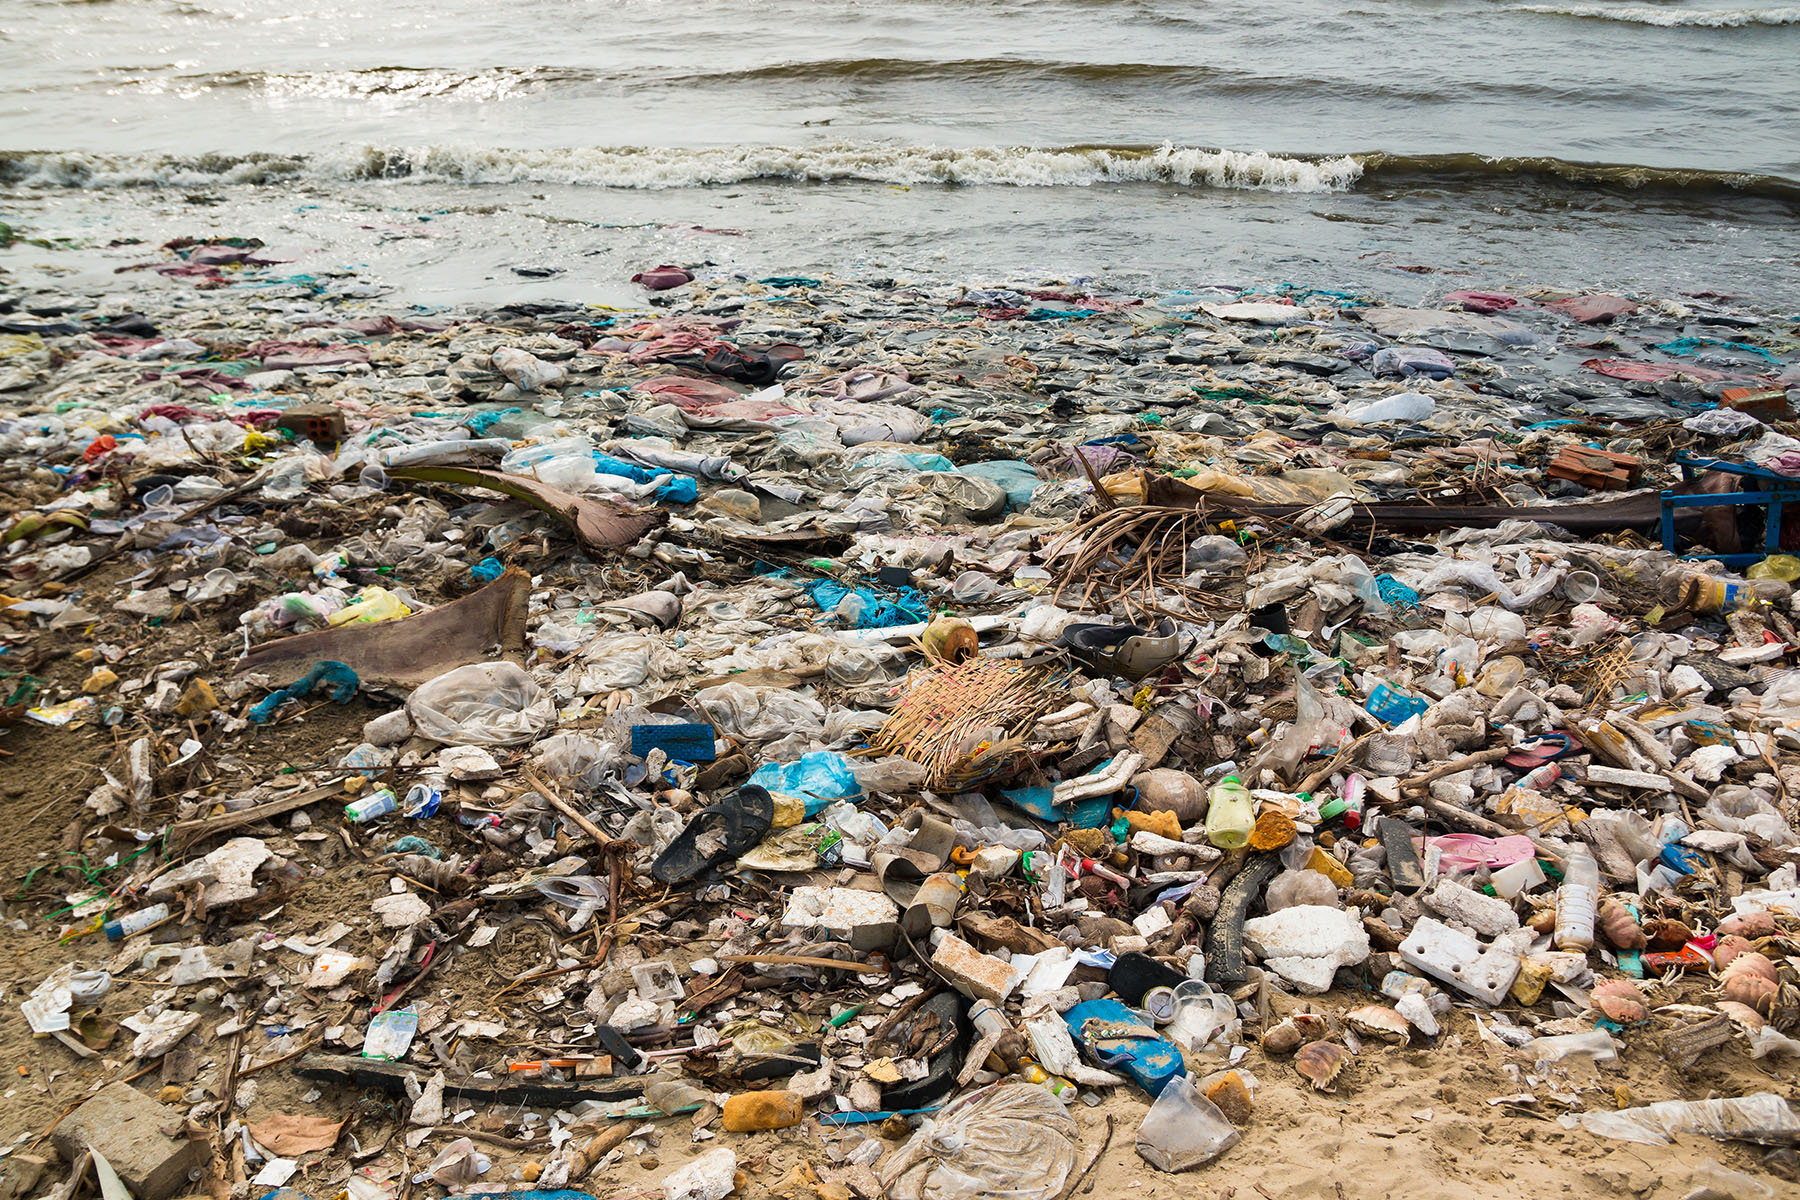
[{"x": 904, "y": 717}]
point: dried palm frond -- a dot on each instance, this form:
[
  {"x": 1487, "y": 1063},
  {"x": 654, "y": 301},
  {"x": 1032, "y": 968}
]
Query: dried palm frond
[
  {"x": 963, "y": 721},
  {"x": 1128, "y": 554}
]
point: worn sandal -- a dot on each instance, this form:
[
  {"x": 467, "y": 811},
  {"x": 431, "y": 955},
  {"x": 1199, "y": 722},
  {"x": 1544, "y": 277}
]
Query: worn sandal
[{"x": 717, "y": 832}]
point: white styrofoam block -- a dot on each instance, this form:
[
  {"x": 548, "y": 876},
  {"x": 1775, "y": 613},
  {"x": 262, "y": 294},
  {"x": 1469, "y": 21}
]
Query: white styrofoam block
[
  {"x": 1307, "y": 943},
  {"x": 1484, "y": 914},
  {"x": 1458, "y": 959}
]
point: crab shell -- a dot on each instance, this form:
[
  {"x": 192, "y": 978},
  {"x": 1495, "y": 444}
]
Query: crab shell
[
  {"x": 1321, "y": 1063},
  {"x": 1666, "y": 933},
  {"x": 1749, "y": 962},
  {"x": 1380, "y": 1022},
  {"x": 1310, "y": 1024},
  {"x": 1750, "y": 924},
  {"x": 1620, "y": 927},
  {"x": 1742, "y": 1015},
  {"x": 1728, "y": 949},
  {"x": 1282, "y": 1038},
  {"x": 1620, "y": 1000},
  {"x": 1752, "y": 991}
]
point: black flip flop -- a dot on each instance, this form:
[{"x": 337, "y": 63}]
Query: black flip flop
[{"x": 719, "y": 831}]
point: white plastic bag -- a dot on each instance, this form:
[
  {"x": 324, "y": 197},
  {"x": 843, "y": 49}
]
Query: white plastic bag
[
  {"x": 1016, "y": 1141},
  {"x": 760, "y": 714},
  {"x": 527, "y": 371},
  {"x": 482, "y": 704},
  {"x": 1183, "y": 1129},
  {"x": 1403, "y": 406}
]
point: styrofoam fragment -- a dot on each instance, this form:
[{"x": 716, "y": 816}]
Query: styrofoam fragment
[
  {"x": 1306, "y": 944},
  {"x": 1458, "y": 959},
  {"x": 1484, "y": 914}
]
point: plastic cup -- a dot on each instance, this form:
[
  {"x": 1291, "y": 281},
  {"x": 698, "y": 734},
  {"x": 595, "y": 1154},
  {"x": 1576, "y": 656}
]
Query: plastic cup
[{"x": 1581, "y": 586}]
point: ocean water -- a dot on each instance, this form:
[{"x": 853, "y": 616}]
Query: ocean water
[{"x": 544, "y": 149}]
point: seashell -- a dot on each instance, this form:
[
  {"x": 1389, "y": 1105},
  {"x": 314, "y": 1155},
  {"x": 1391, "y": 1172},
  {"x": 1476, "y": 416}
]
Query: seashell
[
  {"x": 1543, "y": 920},
  {"x": 1620, "y": 927},
  {"x": 1749, "y": 962},
  {"x": 1284, "y": 1038},
  {"x": 1321, "y": 1063},
  {"x": 1753, "y": 991},
  {"x": 1380, "y": 1022},
  {"x": 1742, "y": 1015},
  {"x": 1729, "y": 947},
  {"x": 1620, "y": 1001},
  {"x": 1750, "y": 925},
  {"x": 1666, "y": 933}
]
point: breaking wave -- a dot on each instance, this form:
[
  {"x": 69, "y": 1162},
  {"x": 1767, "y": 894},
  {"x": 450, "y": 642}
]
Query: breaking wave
[
  {"x": 657, "y": 168},
  {"x": 1669, "y": 18}
]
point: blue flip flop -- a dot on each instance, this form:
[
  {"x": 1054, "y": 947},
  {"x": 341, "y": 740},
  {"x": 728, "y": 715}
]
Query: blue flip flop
[{"x": 1118, "y": 1039}]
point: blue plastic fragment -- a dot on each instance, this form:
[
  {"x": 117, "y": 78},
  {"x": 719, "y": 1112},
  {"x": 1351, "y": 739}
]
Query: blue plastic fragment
[
  {"x": 903, "y": 606},
  {"x": 683, "y": 743},
  {"x": 481, "y": 422},
  {"x": 342, "y": 679}
]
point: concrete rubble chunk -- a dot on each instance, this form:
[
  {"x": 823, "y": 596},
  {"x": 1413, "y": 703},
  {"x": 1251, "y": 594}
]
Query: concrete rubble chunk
[{"x": 132, "y": 1131}]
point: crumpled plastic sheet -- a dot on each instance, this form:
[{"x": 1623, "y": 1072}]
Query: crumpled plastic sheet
[
  {"x": 760, "y": 714},
  {"x": 482, "y": 704},
  {"x": 1016, "y": 1141}
]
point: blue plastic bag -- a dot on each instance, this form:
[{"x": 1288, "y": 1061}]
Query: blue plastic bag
[
  {"x": 904, "y": 607},
  {"x": 820, "y": 778},
  {"x": 682, "y": 489},
  {"x": 1019, "y": 480}
]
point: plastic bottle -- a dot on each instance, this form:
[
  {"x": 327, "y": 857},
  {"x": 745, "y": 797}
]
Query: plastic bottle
[
  {"x": 378, "y": 803},
  {"x": 748, "y": 1112},
  {"x": 1685, "y": 587},
  {"x": 136, "y": 922},
  {"x": 1056, "y": 1085},
  {"x": 1577, "y": 901},
  {"x": 1542, "y": 777},
  {"x": 989, "y": 1020},
  {"x": 1229, "y": 815}
]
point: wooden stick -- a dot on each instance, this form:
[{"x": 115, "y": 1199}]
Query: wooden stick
[
  {"x": 597, "y": 1148},
  {"x": 1491, "y": 754},
  {"x": 586, "y": 826},
  {"x": 802, "y": 960},
  {"x": 1314, "y": 780},
  {"x": 182, "y": 833}
]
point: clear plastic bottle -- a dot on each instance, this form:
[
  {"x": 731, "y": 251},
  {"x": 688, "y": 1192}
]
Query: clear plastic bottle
[
  {"x": 1229, "y": 814},
  {"x": 1577, "y": 901}
]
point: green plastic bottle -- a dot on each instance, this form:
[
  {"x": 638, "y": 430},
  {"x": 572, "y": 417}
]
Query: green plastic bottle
[{"x": 1229, "y": 814}]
